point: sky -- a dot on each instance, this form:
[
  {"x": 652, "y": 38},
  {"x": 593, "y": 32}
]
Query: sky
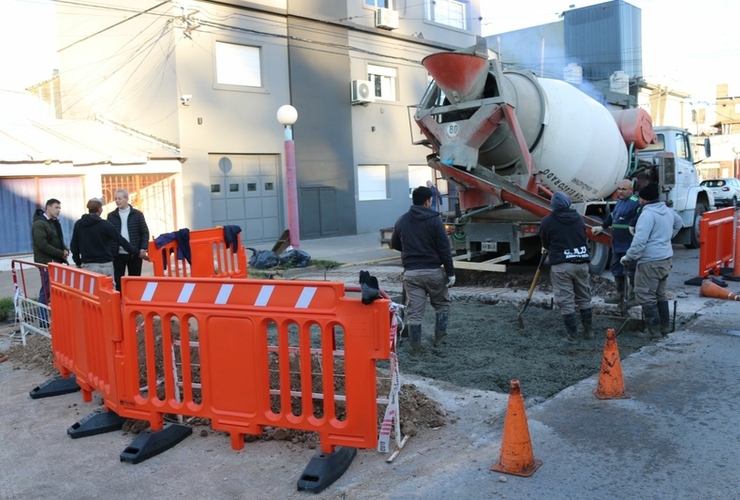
[{"x": 690, "y": 45}]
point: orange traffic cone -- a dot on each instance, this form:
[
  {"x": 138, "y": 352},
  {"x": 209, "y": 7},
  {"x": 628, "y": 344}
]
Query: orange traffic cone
[
  {"x": 611, "y": 382},
  {"x": 516, "y": 448},
  {"x": 709, "y": 289}
]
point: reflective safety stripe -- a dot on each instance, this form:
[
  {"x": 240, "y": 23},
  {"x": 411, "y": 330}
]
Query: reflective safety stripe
[
  {"x": 620, "y": 226},
  {"x": 186, "y": 292},
  {"x": 306, "y": 296},
  {"x": 264, "y": 295}
]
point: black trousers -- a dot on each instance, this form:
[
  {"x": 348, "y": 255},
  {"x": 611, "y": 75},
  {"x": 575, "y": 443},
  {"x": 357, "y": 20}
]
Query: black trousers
[{"x": 121, "y": 262}]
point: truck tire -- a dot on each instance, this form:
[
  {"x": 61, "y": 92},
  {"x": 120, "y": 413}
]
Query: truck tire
[
  {"x": 701, "y": 207},
  {"x": 600, "y": 255}
]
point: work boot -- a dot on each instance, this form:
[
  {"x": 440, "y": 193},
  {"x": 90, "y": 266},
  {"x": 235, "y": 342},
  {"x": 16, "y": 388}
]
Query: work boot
[
  {"x": 571, "y": 328},
  {"x": 665, "y": 318},
  {"x": 631, "y": 300},
  {"x": 415, "y": 332},
  {"x": 616, "y": 297},
  {"x": 440, "y": 329},
  {"x": 652, "y": 322},
  {"x": 587, "y": 320},
  {"x": 405, "y": 332}
]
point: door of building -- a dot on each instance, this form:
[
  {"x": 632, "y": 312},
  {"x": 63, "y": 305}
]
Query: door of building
[{"x": 245, "y": 192}]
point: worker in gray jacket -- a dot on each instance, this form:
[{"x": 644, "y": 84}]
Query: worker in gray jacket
[{"x": 652, "y": 249}]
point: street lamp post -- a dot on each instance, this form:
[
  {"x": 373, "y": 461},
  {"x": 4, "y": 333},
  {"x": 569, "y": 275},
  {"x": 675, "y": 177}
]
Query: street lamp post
[{"x": 287, "y": 116}]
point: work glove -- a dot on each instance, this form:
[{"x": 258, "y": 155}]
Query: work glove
[
  {"x": 632, "y": 230},
  {"x": 450, "y": 281},
  {"x": 597, "y": 230},
  {"x": 625, "y": 261},
  {"x": 543, "y": 250},
  {"x": 370, "y": 287}
]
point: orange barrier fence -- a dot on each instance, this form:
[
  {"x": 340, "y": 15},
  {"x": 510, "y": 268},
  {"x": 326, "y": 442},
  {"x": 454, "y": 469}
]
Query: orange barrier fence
[
  {"x": 716, "y": 237},
  {"x": 86, "y": 329},
  {"x": 250, "y": 353},
  {"x": 210, "y": 255}
]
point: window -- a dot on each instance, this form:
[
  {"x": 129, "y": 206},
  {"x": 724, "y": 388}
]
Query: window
[
  {"x": 215, "y": 188},
  {"x": 238, "y": 65},
  {"x": 372, "y": 182},
  {"x": 386, "y": 4},
  {"x": 447, "y": 12},
  {"x": 384, "y": 81},
  {"x": 682, "y": 150}
]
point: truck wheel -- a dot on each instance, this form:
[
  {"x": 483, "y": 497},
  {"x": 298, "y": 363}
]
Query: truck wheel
[
  {"x": 701, "y": 207},
  {"x": 599, "y": 255}
]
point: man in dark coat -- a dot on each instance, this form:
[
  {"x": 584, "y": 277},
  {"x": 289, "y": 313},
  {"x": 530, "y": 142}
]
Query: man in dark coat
[
  {"x": 93, "y": 241},
  {"x": 427, "y": 262},
  {"x": 131, "y": 224},
  {"x": 48, "y": 245},
  {"x": 563, "y": 236}
]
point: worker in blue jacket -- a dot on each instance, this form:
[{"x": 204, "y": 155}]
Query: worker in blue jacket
[{"x": 622, "y": 220}]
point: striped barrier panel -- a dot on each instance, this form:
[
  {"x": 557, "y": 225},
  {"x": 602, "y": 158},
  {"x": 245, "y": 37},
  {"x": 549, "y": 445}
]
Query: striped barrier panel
[
  {"x": 716, "y": 238},
  {"x": 86, "y": 329},
  {"x": 210, "y": 257},
  {"x": 251, "y": 353}
]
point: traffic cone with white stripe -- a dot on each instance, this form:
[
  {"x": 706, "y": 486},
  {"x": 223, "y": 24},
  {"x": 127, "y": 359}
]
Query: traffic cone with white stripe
[{"x": 516, "y": 456}]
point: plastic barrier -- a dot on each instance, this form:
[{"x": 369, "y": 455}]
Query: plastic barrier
[
  {"x": 210, "y": 257},
  {"x": 716, "y": 237},
  {"x": 87, "y": 329},
  {"x": 251, "y": 353},
  {"x": 31, "y": 315}
]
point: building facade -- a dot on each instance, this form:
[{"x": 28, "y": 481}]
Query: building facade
[{"x": 209, "y": 77}]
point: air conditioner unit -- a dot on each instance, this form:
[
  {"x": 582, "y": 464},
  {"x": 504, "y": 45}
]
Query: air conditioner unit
[
  {"x": 386, "y": 19},
  {"x": 362, "y": 92}
]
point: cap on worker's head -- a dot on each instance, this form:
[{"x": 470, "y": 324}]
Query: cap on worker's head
[
  {"x": 421, "y": 195},
  {"x": 560, "y": 200},
  {"x": 650, "y": 192},
  {"x": 95, "y": 204}
]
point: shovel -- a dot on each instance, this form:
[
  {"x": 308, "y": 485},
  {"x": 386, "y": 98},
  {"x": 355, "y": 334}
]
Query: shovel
[{"x": 531, "y": 291}]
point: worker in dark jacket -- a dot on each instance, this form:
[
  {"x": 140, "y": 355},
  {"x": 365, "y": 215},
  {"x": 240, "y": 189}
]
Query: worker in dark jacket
[
  {"x": 131, "y": 224},
  {"x": 622, "y": 220},
  {"x": 48, "y": 246},
  {"x": 93, "y": 240},
  {"x": 563, "y": 235},
  {"x": 427, "y": 262}
]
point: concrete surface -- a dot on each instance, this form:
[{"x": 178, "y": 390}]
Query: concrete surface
[{"x": 676, "y": 438}]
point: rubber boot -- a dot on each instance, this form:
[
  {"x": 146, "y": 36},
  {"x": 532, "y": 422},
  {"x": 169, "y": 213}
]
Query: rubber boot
[
  {"x": 616, "y": 297},
  {"x": 415, "y": 332},
  {"x": 405, "y": 332},
  {"x": 440, "y": 329},
  {"x": 652, "y": 322},
  {"x": 665, "y": 318},
  {"x": 571, "y": 328},
  {"x": 587, "y": 319}
]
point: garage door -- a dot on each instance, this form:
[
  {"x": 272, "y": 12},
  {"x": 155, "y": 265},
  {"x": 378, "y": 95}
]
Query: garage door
[{"x": 20, "y": 197}]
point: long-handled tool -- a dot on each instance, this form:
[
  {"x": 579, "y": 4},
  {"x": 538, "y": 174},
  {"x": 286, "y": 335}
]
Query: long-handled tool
[{"x": 531, "y": 290}]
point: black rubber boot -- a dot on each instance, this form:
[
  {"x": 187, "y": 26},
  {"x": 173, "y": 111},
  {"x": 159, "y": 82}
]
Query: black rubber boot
[
  {"x": 571, "y": 328},
  {"x": 440, "y": 329},
  {"x": 616, "y": 297},
  {"x": 652, "y": 322},
  {"x": 415, "y": 332},
  {"x": 631, "y": 300},
  {"x": 587, "y": 319},
  {"x": 665, "y": 318}
]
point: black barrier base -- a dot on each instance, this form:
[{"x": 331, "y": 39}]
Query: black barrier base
[
  {"x": 324, "y": 469},
  {"x": 698, "y": 280},
  {"x": 55, "y": 387},
  {"x": 727, "y": 273},
  {"x": 96, "y": 423},
  {"x": 149, "y": 443}
]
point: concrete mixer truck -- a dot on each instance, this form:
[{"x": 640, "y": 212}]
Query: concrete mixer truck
[{"x": 508, "y": 140}]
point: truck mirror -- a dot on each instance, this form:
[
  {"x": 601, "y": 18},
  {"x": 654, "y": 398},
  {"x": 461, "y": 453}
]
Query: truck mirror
[{"x": 707, "y": 148}]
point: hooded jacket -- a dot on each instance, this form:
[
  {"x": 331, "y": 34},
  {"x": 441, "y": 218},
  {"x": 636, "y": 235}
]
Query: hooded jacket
[
  {"x": 656, "y": 227},
  {"x": 563, "y": 233},
  {"x": 48, "y": 241},
  {"x": 421, "y": 238},
  {"x": 94, "y": 239}
]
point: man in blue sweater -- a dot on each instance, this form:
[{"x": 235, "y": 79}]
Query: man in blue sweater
[
  {"x": 563, "y": 236},
  {"x": 651, "y": 248},
  {"x": 427, "y": 262},
  {"x": 622, "y": 220}
]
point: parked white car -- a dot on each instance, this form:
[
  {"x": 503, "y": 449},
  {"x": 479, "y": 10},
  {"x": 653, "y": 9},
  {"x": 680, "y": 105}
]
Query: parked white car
[{"x": 725, "y": 191}]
